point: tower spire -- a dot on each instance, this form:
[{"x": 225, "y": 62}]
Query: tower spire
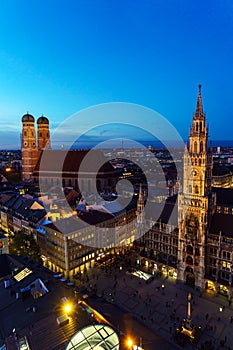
[{"x": 199, "y": 109}]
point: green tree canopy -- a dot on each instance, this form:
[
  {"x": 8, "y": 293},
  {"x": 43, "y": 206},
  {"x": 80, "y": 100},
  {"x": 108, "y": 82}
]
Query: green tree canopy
[{"x": 24, "y": 244}]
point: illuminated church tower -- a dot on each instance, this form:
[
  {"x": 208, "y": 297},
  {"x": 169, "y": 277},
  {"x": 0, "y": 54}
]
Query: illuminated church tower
[
  {"x": 43, "y": 135},
  {"x": 32, "y": 148},
  {"x": 195, "y": 201},
  {"x": 29, "y": 149}
]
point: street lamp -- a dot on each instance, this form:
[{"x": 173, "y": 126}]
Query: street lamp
[
  {"x": 163, "y": 288},
  {"x": 68, "y": 308},
  {"x": 130, "y": 343}
]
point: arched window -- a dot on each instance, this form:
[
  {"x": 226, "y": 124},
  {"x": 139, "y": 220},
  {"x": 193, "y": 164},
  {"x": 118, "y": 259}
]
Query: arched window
[
  {"x": 195, "y": 147},
  {"x": 200, "y": 126},
  {"x": 189, "y": 249},
  {"x": 196, "y": 189},
  {"x": 189, "y": 260},
  {"x": 201, "y": 146},
  {"x": 196, "y": 126}
]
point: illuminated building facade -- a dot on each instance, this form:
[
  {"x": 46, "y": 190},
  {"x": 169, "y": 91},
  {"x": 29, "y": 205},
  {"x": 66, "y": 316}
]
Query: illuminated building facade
[{"x": 199, "y": 250}]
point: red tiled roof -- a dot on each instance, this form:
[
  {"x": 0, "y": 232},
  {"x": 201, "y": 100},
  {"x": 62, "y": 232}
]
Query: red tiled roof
[{"x": 70, "y": 161}]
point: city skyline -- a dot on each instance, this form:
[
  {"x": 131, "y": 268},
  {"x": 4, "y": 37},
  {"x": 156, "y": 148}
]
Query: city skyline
[{"x": 58, "y": 61}]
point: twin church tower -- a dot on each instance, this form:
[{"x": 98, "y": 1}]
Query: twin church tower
[{"x": 33, "y": 143}]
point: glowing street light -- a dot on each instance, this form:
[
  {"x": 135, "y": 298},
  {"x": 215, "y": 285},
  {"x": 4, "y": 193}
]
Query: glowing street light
[
  {"x": 68, "y": 308},
  {"x": 130, "y": 343}
]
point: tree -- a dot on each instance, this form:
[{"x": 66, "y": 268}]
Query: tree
[{"x": 21, "y": 243}]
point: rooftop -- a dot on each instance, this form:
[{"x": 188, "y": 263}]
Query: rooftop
[{"x": 31, "y": 300}]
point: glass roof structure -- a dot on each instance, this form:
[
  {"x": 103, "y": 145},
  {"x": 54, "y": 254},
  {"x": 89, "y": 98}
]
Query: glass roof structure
[{"x": 94, "y": 337}]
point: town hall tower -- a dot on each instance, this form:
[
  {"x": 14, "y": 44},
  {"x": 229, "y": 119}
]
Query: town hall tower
[{"x": 195, "y": 202}]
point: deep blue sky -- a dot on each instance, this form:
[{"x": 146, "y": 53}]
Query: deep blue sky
[{"x": 58, "y": 57}]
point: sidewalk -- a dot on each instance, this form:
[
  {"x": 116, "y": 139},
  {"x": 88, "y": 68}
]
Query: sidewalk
[{"x": 163, "y": 310}]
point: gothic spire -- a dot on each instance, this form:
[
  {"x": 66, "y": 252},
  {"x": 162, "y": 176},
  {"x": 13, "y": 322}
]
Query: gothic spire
[{"x": 199, "y": 109}]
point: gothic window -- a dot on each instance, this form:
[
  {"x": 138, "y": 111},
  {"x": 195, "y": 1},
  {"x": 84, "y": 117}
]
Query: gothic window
[
  {"x": 40, "y": 134},
  {"x": 201, "y": 147},
  {"x": 195, "y": 161},
  {"x": 195, "y": 147},
  {"x": 190, "y": 189},
  {"x": 25, "y": 133},
  {"x": 200, "y": 126},
  {"x": 197, "y": 251},
  {"x": 199, "y": 161},
  {"x": 196, "y": 126},
  {"x": 189, "y": 249},
  {"x": 32, "y": 133},
  {"x": 196, "y": 189},
  {"x": 189, "y": 260}
]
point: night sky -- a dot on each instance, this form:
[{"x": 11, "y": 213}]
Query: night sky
[{"x": 58, "y": 57}]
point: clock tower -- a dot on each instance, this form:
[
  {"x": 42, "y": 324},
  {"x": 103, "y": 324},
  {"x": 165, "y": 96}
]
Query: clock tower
[{"x": 194, "y": 203}]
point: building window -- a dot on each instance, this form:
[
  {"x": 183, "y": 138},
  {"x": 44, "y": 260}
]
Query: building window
[
  {"x": 201, "y": 147},
  {"x": 225, "y": 210},
  {"x": 189, "y": 260},
  {"x": 225, "y": 275},
  {"x": 226, "y": 265},
  {"x": 195, "y": 147}
]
